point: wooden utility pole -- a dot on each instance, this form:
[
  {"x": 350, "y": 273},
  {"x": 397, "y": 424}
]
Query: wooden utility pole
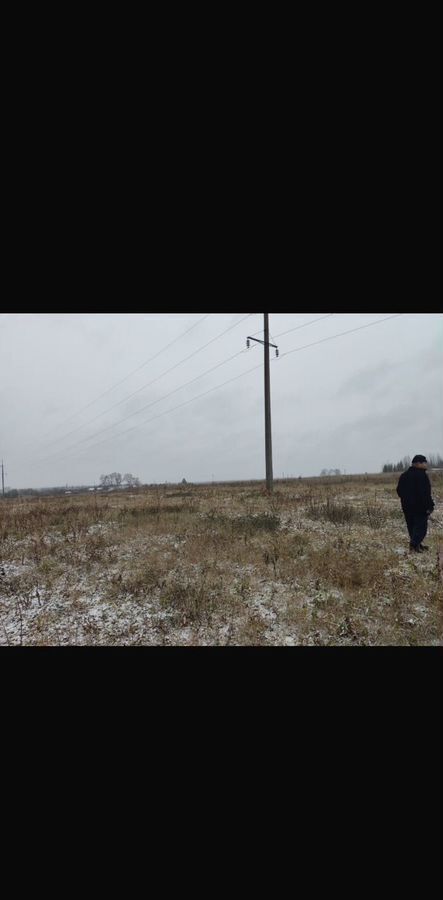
[{"x": 268, "y": 422}]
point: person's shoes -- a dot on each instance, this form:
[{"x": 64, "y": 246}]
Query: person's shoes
[{"x": 422, "y": 547}]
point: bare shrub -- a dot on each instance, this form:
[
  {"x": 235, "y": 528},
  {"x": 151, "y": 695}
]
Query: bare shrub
[
  {"x": 256, "y": 524},
  {"x": 343, "y": 570},
  {"x": 189, "y": 600},
  {"x": 138, "y": 582},
  {"x": 271, "y": 557},
  {"x": 251, "y": 632},
  {"x": 376, "y": 515},
  {"x": 339, "y": 513}
]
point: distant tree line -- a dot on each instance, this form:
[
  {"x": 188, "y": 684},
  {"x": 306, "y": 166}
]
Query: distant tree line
[
  {"x": 399, "y": 466},
  {"x": 115, "y": 479},
  {"x": 434, "y": 459}
]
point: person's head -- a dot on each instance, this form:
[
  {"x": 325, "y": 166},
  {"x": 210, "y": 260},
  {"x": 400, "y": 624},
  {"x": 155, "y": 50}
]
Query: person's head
[{"x": 420, "y": 462}]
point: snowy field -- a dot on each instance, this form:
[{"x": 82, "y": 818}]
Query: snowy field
[{"x": 322, "y": 562}]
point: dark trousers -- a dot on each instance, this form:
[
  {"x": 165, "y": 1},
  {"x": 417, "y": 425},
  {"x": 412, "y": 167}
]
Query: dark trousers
[{"x": 417, "y": 526}]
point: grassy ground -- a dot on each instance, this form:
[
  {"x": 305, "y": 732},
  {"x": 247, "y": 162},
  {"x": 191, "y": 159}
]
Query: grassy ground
[{"x": 321, "y": 562}]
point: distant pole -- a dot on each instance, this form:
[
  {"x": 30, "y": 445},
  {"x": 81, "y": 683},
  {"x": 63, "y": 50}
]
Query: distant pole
[
  {"x": 268, "y": 422},
  {"x": 3, "y": 480}
]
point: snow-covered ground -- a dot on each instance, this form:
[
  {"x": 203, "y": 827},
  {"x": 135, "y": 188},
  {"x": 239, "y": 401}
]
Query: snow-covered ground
[{"x": 220, "y": 566}]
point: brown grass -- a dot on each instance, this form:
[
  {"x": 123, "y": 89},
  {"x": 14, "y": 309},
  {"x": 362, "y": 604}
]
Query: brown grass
[{"x": 320, "y": 562}]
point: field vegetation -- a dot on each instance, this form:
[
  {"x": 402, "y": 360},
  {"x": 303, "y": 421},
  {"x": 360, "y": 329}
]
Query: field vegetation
[{"x": 320, "y": 562}]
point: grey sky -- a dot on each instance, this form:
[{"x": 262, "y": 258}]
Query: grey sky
[{"x": 351, "y": 403}]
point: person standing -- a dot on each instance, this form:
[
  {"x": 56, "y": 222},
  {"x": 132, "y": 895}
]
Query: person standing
[{"x": 414, "y": 490}]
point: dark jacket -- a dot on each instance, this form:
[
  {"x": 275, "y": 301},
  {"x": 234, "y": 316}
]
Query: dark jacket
[{"x": 414, "y": 490}]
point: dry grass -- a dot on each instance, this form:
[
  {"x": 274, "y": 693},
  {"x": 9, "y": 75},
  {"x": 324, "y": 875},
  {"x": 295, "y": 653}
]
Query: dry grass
[{"x": 321, "y": 562}]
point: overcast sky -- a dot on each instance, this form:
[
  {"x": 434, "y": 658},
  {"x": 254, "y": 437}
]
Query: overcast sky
[{"x": 351, "y": 403}]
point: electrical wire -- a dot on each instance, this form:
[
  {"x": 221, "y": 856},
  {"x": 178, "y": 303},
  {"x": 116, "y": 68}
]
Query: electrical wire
[
  {"x": 235, "y": 378},
  {"x": 153, "y": 402},
  {"x": 149, "y": 384},
  {"x": 305, "y": 325},
  {"x": 143, "y": 408},
  {"x": 133, "y": 372},
  {"x": 342, "y": 333},
  {"x": 297, "y": 328}
]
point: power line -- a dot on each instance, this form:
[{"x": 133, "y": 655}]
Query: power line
[
  {"x": 254, "y": 369},
  {"x": 197, "y": 378},
  {"x": 298, "y": 327},
  {"x": 235, "y": 378},
  {"x": 174, "y": 408},
  {"x": 333, "y": 336},
  {"x": 305, "y": 325},
  {"x": 181, "y": 387},
  {"x": 133, "y": 372},
  {"x": 148, "y": 405},
  {"x": 149, "y": 384},
  {"x": 153, "y": 402}
]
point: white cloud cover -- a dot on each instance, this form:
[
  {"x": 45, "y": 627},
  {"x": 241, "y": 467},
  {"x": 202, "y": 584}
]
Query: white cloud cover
[{"x": 351, "y": 403}]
